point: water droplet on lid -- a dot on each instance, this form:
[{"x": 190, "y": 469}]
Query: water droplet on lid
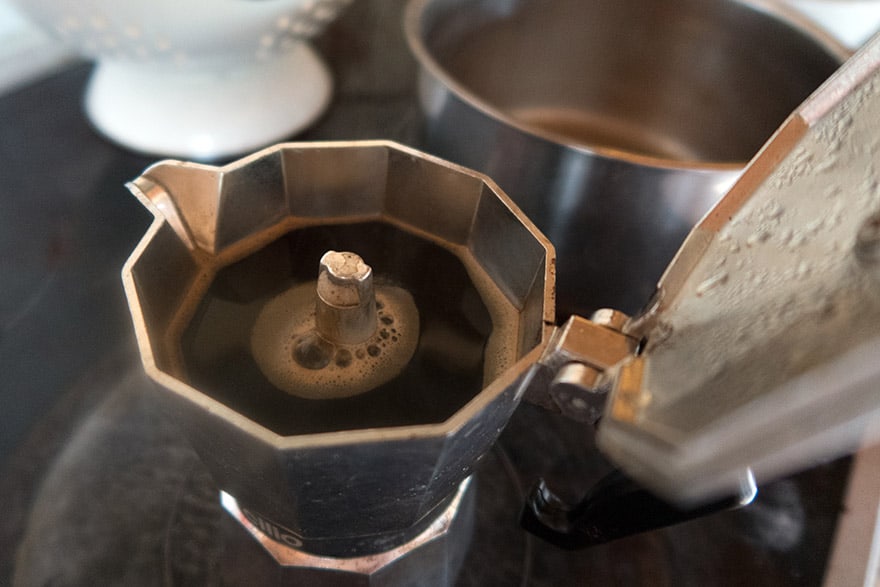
[
  {"x": 797, "y": 240},
  {"x": 867, "y": 246},
  {"x": 832, "y": 191},
  {"x": 712, "y": 283},
  {"x": 814, "y": 226},
  {"x": 827, "y": 308},
  {"x": 785, "y": 236},
  {"x": 758, "y": 237},
  {"x": 803, "y": 269},
  {"x": 774, "y": 210}
]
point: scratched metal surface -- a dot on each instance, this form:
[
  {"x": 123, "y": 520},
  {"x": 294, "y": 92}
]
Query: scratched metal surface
[{"x": 98, "y": 488}]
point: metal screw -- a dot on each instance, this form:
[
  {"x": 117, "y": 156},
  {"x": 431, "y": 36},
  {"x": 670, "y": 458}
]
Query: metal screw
[
  {"x": 613, "y": 319},
  {"x": 576, "y": 391}
]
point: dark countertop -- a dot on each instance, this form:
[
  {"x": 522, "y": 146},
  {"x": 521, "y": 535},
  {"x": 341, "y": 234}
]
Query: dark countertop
[{"x": 88, "y": 469}]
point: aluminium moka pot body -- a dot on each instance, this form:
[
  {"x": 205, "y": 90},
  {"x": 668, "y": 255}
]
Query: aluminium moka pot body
[{"x": 234, "y": 252}]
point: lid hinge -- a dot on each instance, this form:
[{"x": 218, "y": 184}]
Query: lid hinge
[{"x": 570, "y": 375}]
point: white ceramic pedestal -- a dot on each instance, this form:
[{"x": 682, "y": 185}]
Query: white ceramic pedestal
[{"x": 208, "y": 115}]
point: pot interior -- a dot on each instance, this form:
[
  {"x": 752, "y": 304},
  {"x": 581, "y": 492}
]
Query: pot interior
[{"x": 694, "y": 80}]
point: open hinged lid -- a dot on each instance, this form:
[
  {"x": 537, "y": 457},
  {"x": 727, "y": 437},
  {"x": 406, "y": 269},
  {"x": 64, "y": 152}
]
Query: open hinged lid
[{"x": 761, "y": 350}]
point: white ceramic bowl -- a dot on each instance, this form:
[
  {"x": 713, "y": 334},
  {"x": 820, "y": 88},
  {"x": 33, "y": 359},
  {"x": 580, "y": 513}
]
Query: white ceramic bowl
[
  {"x": 851, "y": 21},
  {"x": 196, "y": 78}
]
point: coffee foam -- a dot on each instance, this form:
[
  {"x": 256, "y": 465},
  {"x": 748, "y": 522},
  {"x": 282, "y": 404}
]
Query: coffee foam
[{"x": 332, "y": 370}]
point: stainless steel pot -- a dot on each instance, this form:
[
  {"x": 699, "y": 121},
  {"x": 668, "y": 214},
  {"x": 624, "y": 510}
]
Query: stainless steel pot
[{"x": 614, "y": 124}]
